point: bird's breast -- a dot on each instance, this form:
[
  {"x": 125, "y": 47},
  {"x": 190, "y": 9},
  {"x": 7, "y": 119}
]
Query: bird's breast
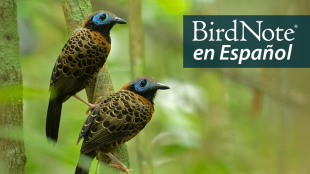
[
  {"x": 97, "y": 37},
  {"x": 149, "y": 104}
]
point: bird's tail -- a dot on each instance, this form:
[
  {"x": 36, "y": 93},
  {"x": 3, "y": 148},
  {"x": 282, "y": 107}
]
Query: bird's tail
[
  {"x": 53, "y": 118},
  {"x": 84, "y": 163}
]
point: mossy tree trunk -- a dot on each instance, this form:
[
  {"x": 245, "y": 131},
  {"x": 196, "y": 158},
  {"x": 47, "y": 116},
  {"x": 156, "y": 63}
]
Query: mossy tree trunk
[
  {"x": 12, "y": 149},
  {"x": 76, "y": 11}
]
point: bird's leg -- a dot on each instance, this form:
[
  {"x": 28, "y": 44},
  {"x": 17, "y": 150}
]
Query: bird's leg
[
  {"x": 90, "y": 106},
  {"x": 119, "y": 164}
]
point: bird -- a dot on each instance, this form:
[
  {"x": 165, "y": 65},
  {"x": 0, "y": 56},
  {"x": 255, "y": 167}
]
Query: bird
[
  {"x": 117, "y": 119},
  {"x": 77, "y": 65}
]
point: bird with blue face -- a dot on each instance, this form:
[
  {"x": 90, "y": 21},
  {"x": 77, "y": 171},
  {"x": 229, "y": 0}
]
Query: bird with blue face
[
  {"x": 119, "y": 118},
  {"x": 77, "y": 65}
]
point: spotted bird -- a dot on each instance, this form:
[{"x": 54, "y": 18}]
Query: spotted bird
[
  {"x": 119, "y": 118},
  {"x": 78, "y": 64}
]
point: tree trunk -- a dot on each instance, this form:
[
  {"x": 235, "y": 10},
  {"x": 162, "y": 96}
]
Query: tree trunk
[
  {"x": 76, "y": 11},
  {"x": 137, "y": 65},
  {"x": 136, "y": 38},
  {"x": 12, "y": 150}
]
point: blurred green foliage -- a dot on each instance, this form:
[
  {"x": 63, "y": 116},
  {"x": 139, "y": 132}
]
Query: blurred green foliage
[{"x": 204, "y": 124}]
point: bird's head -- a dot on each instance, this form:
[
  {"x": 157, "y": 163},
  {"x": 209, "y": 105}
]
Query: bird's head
[
  {"x": 102, "y": 21},
  {"x": 145, "y": 86}
]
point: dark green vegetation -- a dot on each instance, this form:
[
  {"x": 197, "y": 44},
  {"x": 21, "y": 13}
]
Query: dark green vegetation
[{"x": 211, "y": 121}]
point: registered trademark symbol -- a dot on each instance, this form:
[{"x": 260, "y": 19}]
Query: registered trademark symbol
[{"x": 296, "y": 26}]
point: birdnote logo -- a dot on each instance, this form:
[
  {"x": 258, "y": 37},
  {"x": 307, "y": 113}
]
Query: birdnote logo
[
  {"x": 246, "y": 41},
  {"x": 242, "y": 54}
]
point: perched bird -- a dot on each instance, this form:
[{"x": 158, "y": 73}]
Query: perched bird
[
  {"x": 78, "y": 64},
  {"x": 119, "y": 118}
]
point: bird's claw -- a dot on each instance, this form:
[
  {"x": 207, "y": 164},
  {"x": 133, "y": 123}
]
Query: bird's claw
[
  {"x": 98, "y": 100},
  {"x": 123, "y": 168},
  {"x": 93, "y": 106}
]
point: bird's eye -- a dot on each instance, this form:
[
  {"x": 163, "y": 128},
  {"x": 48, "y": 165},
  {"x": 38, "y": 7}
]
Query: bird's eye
[
  {"x": 103, "y": 17},
  {"x": 143, "y": 83}
]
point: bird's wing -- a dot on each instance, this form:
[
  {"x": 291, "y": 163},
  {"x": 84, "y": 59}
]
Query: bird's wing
[
  {"x": 118, "y": 120},
  {"x": 78, "y": 63},
  {"x": 89, "y": 119}
]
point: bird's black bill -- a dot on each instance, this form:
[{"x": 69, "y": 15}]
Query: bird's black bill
[
  {"x": 161, "y": 86},
  {"x": 119, "y": 20}
]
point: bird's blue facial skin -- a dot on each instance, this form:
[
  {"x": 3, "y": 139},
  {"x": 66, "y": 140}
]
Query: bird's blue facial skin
[
  {"x": 141, "y": 87},
  {"x": 98, "y": 21}
]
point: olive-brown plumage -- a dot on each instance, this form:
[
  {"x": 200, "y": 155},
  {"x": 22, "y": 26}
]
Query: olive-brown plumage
[
  {"x": 78, "y": 64},
  {"x": 119, "y": 118}
]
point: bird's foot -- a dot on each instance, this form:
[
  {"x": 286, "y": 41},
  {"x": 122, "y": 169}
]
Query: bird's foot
[
  {"x": 121, "y": 167},
  {"x": 119, "y": 164},
  {"x": 93, "y": 106}
]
